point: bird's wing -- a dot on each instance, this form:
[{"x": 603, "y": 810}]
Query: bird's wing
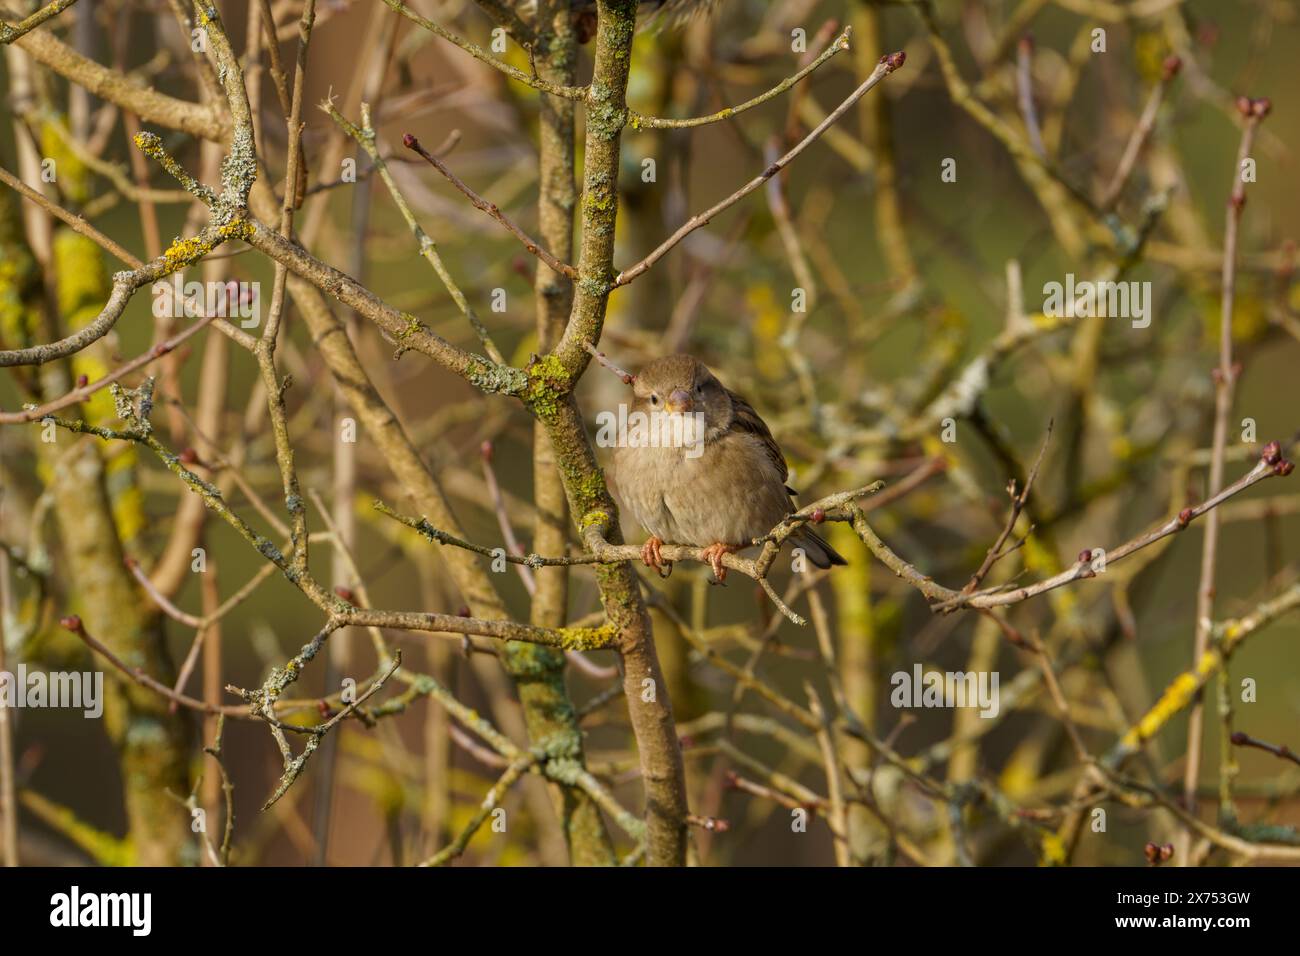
[{"x": 748, "y": 420}]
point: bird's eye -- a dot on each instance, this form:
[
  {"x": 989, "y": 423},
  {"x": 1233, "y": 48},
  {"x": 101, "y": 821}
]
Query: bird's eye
[
  {"x": 654, "y": 399},
  {"x": 699, "y": 389}
]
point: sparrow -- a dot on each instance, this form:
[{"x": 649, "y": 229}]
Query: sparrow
[{"x": 718, "y": 488}]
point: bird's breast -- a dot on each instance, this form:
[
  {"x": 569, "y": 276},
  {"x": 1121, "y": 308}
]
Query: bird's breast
[{"x": 725, "y": 491}]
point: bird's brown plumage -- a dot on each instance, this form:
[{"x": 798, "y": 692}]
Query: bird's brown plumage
[{"x": 730, "y": 492}]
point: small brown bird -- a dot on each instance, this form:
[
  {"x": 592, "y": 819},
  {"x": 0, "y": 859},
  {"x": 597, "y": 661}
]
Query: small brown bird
[{"x": 721, "y": 486}]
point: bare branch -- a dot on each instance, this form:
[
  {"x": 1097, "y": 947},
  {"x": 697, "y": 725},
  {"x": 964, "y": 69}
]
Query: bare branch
[
  {"x": 411, "y": 143},
  {"x": 11, "y": 32},
  {"x": 482, "y": 55},
  {"x": 887, "y": 65},
  {"x": 638, "y": 121}
]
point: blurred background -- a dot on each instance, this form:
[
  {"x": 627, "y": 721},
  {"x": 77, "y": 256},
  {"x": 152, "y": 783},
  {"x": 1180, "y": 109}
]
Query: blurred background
[{"x": 906, "y": 277}]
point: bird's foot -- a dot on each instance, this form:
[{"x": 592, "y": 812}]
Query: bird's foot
[
  {"x": 713, "y": 554},
  {"x": 652, "y": 557}
]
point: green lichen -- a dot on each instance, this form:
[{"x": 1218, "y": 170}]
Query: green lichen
[
  {"x": 597, "y": 201},
  {"x": 566, "y": 771},
  {"x": 497, "y": 379},
  {"x": 238, "y": 171},
  {"x": 593, "y": 519},
  {"x": 548, "y": 384},
  {"x": 593, "y": 287},
  {"x": 413, "y": 327},
  {"x": 606, "y": 117},
  {"x": 152, "y": 146},
  {"x": 588, "y": 488}
]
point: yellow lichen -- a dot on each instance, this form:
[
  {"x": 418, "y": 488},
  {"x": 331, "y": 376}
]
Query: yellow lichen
[{"x": 69, "y": 171}]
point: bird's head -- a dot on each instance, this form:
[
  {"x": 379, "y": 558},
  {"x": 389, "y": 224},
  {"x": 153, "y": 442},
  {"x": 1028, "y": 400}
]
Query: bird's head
[{"x": 683, "y": 385}]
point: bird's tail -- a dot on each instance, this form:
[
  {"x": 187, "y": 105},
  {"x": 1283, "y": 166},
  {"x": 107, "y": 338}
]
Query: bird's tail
[{"x": 818, "y": 551}]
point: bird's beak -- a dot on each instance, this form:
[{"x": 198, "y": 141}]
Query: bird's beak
[{"x": 679, "y": 401}]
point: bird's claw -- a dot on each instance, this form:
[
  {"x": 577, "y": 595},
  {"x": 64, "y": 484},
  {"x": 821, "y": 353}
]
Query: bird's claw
[
  {"x": 713, "y": 554},
  {"x": 653, "y": 558}
]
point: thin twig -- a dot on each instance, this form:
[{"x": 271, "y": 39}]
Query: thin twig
[
  {"x": 476, "y": 51},
  {"x": 1017, "y": 506},
  {"x": 625, "y": 376},
  {"x": 83, "y": 392},
  {"x": 491, "y": 208},
  {"x": 1225, "y": 388},
  {"x": 1281, "y": 751},
  {"x": 638, "y": 121},
  {"x": 1141, "y": 132},
  {"x": 74, "y": 222},
  {"x": 1025, "y": 93},
  {"x": 11, "y": 32},
  {"x": 503, "y": 516},
  {"x": 365, "y": 136},
  {"x": 887, "y": 65}
]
